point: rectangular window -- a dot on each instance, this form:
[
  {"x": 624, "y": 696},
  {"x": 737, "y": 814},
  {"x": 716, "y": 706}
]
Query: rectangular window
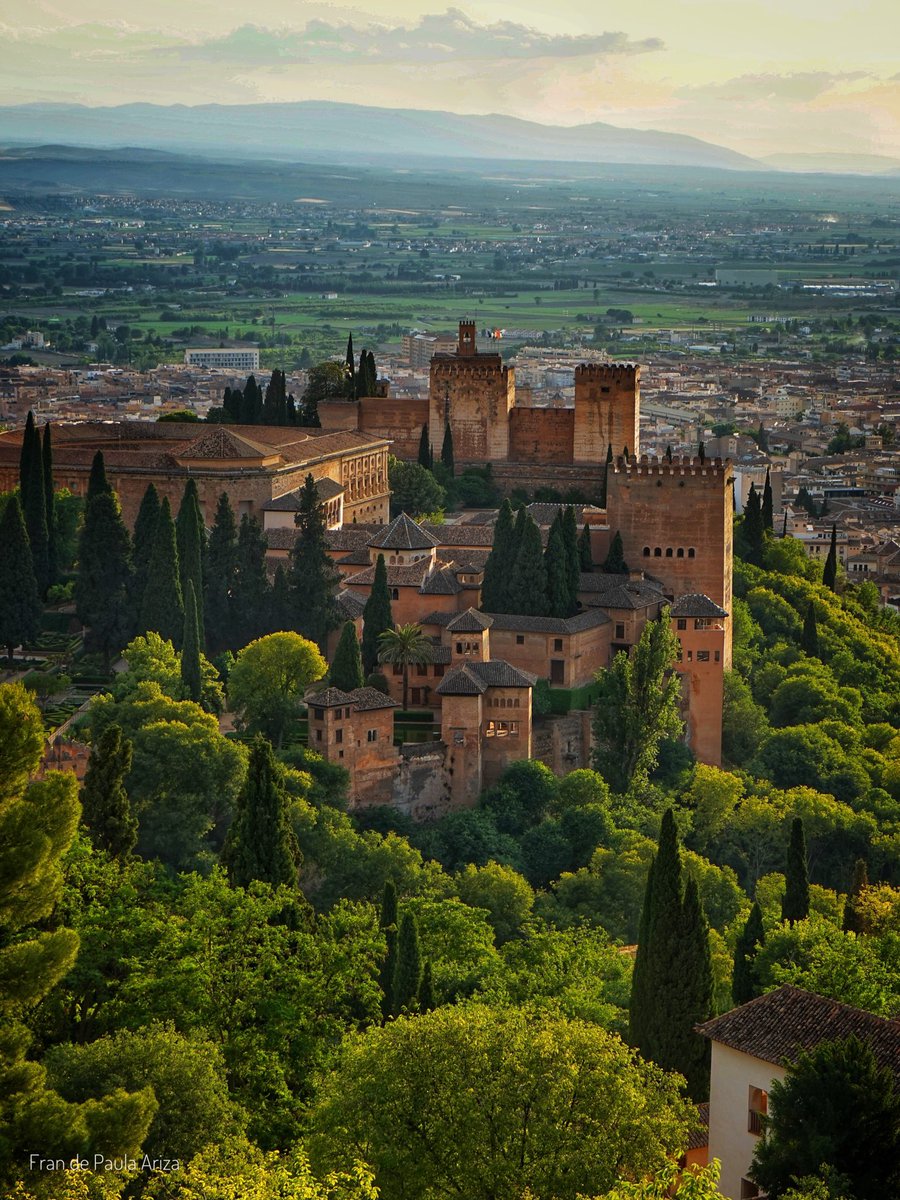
[
  {"x": 690, "y": 656},
  {"x": 398, "y": 669},
  {"x": 416, "y": 695},
  {"x": 557, "y": 671},
  {"x": 620, "y": 631},
  {"x": 338, "y": 736},
  {"x": 702, "y": 656},
  {"x": 557, "y": 645},
  {"x": 681, "y": 623},
  {"x": 318, "y": 714},
  {"x": 318, "y": 735},
  {"x": 717, "y": 656},
  {"x": 421, "y": 668},
  {"x": 520, "y": 639},
  {"x": 372, "y": 735},
  {"x": 438, "y": 670},
  {"x": 758, "y": 1107}
]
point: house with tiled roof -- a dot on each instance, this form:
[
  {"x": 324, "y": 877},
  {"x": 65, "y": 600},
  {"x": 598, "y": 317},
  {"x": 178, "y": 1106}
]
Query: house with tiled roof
[{"x": 753, "y": 1046}]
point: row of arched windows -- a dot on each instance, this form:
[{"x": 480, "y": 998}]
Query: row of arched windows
[{"x": 680, "y": 552}]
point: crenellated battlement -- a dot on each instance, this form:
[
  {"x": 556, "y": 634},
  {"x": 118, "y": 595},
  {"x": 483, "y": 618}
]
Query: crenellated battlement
[
  {"x": 679, "y": 465},
  {"x": 618, "y": 373}
]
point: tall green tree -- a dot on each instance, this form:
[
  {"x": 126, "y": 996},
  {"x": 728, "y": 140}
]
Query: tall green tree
[
  {"x": 314, "y": 579},
  {"x": 250, "y": 596},
  {"x": 447, "y": 449},
  {"x": 829, "y": 571},
  {"x": 268, "y": 679},
  {"x": 377, "y": 616},
  {"x": 614, "y": 563},
  {"x": 103, "y": 598},
  {"x": 408, "y": 975},
  {"x": 347, "y": 669},
  {"x": 50, "y": 506},
  {"x": 162, "y": 605},
  {"x": 673, "y": 944},
  {"x": 26, "y": 452},
  {"x": 190, "y": 534},
  {"x": 744, "y": 985},
  {"x": 251, "y": 402},
  {"x": 405, "y": 646},
  {"x": 558, "y": 594},
  {"x": 38, "y": 821},
  {"x": 20, "y": 604},
  {"x": 753, "y": 530},
  {"x": 349, "y": 358},
  {"x": 261, "y": 843},
  {"x": 143, "y": 538},
  {"x": 106, "y": 808},
  {"x": 766, "y": 509},
  {"x": 853, "y": 921},
  {"x": 637, "y": 706},
  {"x": 836, "y": 1110},
  {"x": 191, "y": 671},
  {"x": 221, "y": 576},
  {"x": 500, "y": 563},
  {"x": 387, "y": 923},
  {"x": 809, "y": 639},
  {"x": 34, "y": 509},
  {"x": 527, "y": 594},
  {"x": 97, "y": 481},
  {"x": 585, "y": 553},
  {"x": 573, "y": 556},
  {"x": 424, "y": 449},
  {"x": 795, "y": 903}
]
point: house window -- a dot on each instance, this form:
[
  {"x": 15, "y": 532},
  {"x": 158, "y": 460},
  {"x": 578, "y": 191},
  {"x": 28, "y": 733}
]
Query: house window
[
  {"x": 692, "y": 553},
  {"x": 717, "y": 656},
  {"x": 421, "y": 668},
  {"x": 749, "y": 1190},
  {"x": 459, "y": 647},
  {"x": 646, "y": 552},
  {"x": 514, "y": 729},
  {"x": 520, "y": 639},
  {"x": 657, "y": 553},
  {"x": 395, "y": 593},
  {"x": 417, "y": 695},
  {"x": 679, "y": 553},
  {"x": 702, "y": 623},
  {"x": 668, "y": 552},
  {"x": 318, "y": 735},
  {"x": 690, "y": 655},
  {"x": 620, "y": 630},
  {"x": 338, "y": 736},
  {"x": 681, "y": 623},
  {"x": 557, "y": 670},
  {"x": 318, "y": 714},
  {"x": 372, "y": 735},
  {"x": 557, "y": 645},
  {"x": 758, "y": 1106},
  {"x": 438, "y": 670},
  {"x": 702, "y": 656}
]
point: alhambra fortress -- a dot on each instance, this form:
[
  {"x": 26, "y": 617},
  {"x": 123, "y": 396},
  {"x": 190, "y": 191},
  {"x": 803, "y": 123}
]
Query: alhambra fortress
[{"x": 674, "y": 518}]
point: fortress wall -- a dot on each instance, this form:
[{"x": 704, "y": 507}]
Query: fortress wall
[
  {"x": 541, "y": 435},
  {"x": 400, "y": 419}
]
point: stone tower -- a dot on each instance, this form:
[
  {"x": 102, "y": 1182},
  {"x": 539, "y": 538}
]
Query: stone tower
[
  {"x": 607, "y": 410},
  {"x": 475, "y": 393}
]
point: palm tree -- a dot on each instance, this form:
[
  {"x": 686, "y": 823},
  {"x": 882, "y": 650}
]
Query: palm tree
[{"x": 405, "y": 646}]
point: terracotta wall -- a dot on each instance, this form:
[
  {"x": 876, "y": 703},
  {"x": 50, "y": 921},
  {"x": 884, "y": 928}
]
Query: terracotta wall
[{"x": 541, "y": 435}]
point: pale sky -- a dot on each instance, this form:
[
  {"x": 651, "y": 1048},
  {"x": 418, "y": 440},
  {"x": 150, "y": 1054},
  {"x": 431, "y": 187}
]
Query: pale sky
[{"x": 759, "y": 76}]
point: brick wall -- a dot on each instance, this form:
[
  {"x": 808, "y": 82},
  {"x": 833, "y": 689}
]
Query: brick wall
[{"x": 541, "y": 435}]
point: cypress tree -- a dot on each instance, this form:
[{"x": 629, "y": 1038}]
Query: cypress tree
[
  {"x": 795, "y": 902},
  {"x": 625, "y": 453},
  {"x": 784, "y": 526},
  {"x": 250, "y": 404},
  {"x": 281, "y": 608},
  {"x": 191, "y": 538},
  {"x": 347, "y": 668},
  {"x": 424, "y": 449},
  {"x": 349, "y": 357},
  {"x": 744, "y": 985},
  {"x": 408, "y": 974},
  {"x": 853, "y": 919},
  {"x": 585, "y": 554},
  {"x": 250, "y": 596},
  {"x": 103, "y": 586},
  {"x": 261, "y": 843},
  {"x": 809, "y": 639},
  {"x": 387, "y": 922},
  {"x": 191, "y": 673},
  {"x": 606, "y": 469},
  {"x": 377, "y": 616},
  {"x": 97, "y": 481},
  {"x": 668, "y": 454},
  {"x": 829, "y": 572},
  {"x": 34, "y": 509},
  {"x": 371, "y": 374},
  {"x": 426, "y": 989},
  {"x": 573, "y": 557},
  {"x": 753, "y": 528},
  {"x": 701, "y": 452},
  {"x": 221, "y": 576},
  {"x": 106, "y": 809},
  {"x": 672, "y": 981},
  {"x": 766, "y": 511},
  {"x": 26, "y": 453},
  {"x": 144, "y": 535},
  {"x": 447, "y": 449},
  {"x": 614, "y": 563},
  {"x": 314, "y": 579},
  {"x": 49, "y": 506},
  {"x": 528, "y": 584},
  {"x": 162, "y": 605},
  {"x": 558, "y": 597},
  {"x": 500, "y": 562},
  {"x": 20, "y": 604}
]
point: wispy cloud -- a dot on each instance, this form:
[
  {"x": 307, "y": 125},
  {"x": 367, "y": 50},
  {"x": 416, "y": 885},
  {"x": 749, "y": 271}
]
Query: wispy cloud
[{"x": 794, "y": 86}]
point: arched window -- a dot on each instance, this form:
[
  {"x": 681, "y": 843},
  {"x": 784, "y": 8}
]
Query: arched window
[
  {"x": 646, "y": 552},
  {"x": 692, "y": 553},
  {"x": 680, "y": 552},
  {"x": 657, "y": 553},
  {"x": 668, "y": 552}
]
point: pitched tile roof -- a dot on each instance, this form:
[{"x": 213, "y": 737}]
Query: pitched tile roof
[
  {"x": 695, "y": 604},
  {"x": 474, "y": 678},
  {"x": 699, "y": 1137},
  {"x": 350, "y": 605},
  {"x": 461, "y": 535},
  {"x": 403, "y": 534},
  {"x": 470, "y": 621},
  {"x": 326, "y": 489},
  {"x": 589, "y": 619},
  {"x": 777, "y": 1026},
  {"x": 221, "y": 442},
  {"x": 440, "y": 582},
  {"x": 620, "y": 591},
  {"x": 362, "y": 699}
]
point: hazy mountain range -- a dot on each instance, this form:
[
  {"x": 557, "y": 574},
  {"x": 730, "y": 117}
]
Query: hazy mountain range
[{"x": 330, "y": 132}]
